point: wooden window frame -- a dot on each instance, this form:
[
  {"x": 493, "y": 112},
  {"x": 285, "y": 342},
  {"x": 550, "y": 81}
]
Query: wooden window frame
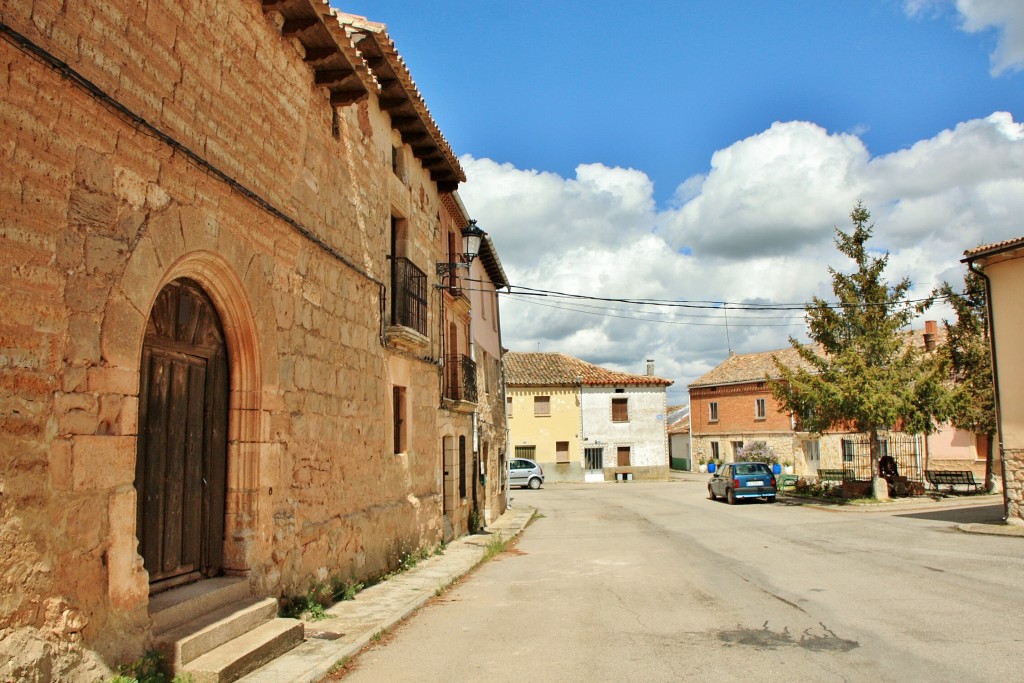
[
  {"x": 712, "y": 411},
  {"x": 399, "y": 409},
  {"x": 760, "y": 409},
  {"x": 620, "y": 410},
  {"x": 538, "y": 403}
]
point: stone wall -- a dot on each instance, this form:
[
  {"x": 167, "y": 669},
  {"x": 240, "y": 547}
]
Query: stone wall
[{"x": 197, "y": 148}]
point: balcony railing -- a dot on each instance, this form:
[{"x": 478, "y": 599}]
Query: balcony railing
[
  {"x": 408, "y": 295},
  {"x": 460, "y": 378}
]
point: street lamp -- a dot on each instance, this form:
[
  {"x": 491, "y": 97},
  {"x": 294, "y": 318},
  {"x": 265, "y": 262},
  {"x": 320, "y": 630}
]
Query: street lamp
[{"x": 472, "y": 235}]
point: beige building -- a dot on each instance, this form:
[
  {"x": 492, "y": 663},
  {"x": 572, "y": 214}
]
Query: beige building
[
  {"x": 1002, "y": 266},
  {"x": 224, "y": 333},
  {"x": 582, "y": 422}
]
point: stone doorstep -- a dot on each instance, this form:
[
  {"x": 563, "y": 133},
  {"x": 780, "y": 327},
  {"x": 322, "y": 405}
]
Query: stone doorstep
[
  {"x": 246, "y": 653},
  {"x": 178, "y": 606},
  {"x": 209, "y": 631}
]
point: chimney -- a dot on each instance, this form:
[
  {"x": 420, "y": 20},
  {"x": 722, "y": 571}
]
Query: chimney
[
  {"x": 931, "y": 334},
  {"x": 650, "y": 367}
]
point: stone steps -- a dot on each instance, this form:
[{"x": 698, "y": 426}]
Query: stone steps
[{"x": 215, "y": 631}]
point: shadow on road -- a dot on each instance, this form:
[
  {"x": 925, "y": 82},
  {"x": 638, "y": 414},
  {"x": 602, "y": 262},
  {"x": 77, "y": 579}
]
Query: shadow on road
[{"x": 988, "y": 514}]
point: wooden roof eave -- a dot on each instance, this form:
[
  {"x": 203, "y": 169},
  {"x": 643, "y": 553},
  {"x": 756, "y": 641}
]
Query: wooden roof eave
[
  {"x": 401, "y": 99},
  {"x": 335, "y": 63}
]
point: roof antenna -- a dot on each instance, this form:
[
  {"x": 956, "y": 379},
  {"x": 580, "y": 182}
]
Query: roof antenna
[{"x": 728, "y": 342}]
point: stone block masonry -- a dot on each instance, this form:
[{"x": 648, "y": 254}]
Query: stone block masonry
[{"x": 142, "y": 144}]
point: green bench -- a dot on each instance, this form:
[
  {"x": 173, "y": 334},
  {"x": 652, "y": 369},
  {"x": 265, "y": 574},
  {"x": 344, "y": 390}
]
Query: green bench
[{"x": 953, "y": 478}]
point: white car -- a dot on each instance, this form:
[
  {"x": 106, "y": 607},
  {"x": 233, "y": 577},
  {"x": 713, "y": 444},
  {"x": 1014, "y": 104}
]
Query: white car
[{"x": 523, "y": 472}]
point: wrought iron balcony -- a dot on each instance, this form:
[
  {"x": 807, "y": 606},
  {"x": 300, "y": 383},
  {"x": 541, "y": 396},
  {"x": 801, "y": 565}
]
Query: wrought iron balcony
[
  {"x": 408, "y": 295},
  {"x": 460, "y": 378}
]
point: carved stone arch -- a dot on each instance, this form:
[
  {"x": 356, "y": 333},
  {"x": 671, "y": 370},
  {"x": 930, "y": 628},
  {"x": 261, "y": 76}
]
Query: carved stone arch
[{"x": 225, "y": 290}]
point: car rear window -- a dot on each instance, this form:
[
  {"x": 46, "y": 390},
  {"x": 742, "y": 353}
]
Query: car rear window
[{"x": 755, "y": 468}]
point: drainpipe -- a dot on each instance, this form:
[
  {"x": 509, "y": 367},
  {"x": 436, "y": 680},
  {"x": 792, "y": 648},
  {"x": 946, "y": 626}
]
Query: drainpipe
[{"x": 995, "y": 381}]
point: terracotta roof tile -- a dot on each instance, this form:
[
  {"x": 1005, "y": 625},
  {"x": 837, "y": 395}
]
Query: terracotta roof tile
[
  {"x": 755, "y": 367},
  {"x": 558, "y": 369},
  {"x": 985, "y": 250},
  {"x": 750, "y": 367}
]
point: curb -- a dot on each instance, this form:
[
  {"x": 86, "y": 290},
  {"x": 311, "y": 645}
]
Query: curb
[{"x": 353, "y": 624}]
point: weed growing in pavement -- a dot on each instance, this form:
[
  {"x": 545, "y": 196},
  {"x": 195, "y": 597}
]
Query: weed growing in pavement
[
  {"x": 147, "y": 669},
  {"x": 340, "y": 664},
  {"x": 496, "y": 545}
]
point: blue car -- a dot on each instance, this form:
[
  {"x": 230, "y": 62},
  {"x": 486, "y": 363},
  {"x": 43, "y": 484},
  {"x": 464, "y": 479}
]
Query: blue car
[{"x": 737, "y": 480}]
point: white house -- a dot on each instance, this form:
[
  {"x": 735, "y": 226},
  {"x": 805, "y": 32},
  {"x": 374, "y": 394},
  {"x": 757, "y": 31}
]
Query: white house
[{"x": 624, "y": 426}]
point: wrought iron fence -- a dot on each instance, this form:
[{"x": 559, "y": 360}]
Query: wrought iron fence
[
  {"x": 408, "y": 295},
  {"x": 460, "y": 378},
  {"x": 904, "y": 449}
]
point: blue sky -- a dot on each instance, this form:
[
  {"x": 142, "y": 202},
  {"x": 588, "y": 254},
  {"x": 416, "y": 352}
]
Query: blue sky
[
  {"x": 706, "y": 150},
  {"x": 659, "y": 86}
]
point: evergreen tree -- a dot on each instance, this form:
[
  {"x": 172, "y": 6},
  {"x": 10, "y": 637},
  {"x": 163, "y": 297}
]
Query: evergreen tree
[
  {"x": 863, "y": 374},
  {"x": 968, "y": 356}
]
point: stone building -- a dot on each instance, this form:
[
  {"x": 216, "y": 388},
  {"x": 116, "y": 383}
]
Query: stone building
[{"x": 223, "y": 333}]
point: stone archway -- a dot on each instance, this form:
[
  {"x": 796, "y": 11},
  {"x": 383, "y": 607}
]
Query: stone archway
[
  {"x": 247, "y": 363},
  {"x": 181, "y": 459}
]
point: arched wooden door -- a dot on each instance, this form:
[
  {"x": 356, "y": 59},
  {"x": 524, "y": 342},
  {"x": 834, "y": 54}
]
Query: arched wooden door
[{"x": 180, "y": 472}]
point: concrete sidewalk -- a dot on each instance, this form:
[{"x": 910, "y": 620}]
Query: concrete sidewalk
[{"x": 352, "y": 624}]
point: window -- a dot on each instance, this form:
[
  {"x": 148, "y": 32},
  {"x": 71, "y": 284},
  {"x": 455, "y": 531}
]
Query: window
[
  {"x": 398, "y": 163},
  {"x": 848, "y": 450},
  {"x": 760, "y": 409},
  {"x": 594, "y": 458},
  {"x": 398, "y": 413},
  {"x": 562, "y": 451},
  {"x": 713, "y": 411},
  {"x": 462, "y": 467},
  {"x": 622, "y": 454},
  {"x": 508, "y": 406},
  {"x": 527, "y": 452},
  {"x": 714, "y": 450},
  {"x": 620, "y": 410},
  {"x": 812, "y": 451},
  {"x": 737, "y": 446},
  {"x": 541, "y": 406}
]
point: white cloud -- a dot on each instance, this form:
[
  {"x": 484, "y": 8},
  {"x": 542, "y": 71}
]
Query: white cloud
[
  {"x": 758, "y": 227},
  {"x": 1004, "y": 17},
  {"x": 1007, "y": 18}
]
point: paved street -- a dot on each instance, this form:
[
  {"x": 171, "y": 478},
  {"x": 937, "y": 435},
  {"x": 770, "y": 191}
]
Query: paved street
[{"x": 653, "y": 582}]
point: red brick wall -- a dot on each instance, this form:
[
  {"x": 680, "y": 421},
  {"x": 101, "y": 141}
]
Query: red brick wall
[{"x": 736, "y": 410}]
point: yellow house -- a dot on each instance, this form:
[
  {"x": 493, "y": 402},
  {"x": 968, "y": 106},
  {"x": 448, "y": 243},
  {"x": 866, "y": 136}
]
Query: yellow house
[
  {"x": 1002, "y": 267},
  {"x": 543, "y": 411}
]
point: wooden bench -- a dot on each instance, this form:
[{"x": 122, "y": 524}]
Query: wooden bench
[
  {"x": 838, "y": 476},
  {"x": 952, "y": 478},
  {"x": 785, "y": 481}
]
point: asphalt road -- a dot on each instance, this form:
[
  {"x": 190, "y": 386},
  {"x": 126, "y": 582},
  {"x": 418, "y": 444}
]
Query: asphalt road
[{"x": 653, "y": 582}]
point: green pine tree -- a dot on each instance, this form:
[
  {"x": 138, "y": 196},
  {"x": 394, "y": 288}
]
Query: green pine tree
[
  {"x": 863, "y": 375},
  {"x": 968, "y": 357}
]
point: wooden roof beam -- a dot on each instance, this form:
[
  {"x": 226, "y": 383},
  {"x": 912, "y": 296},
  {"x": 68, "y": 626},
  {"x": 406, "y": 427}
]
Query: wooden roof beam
[
  {"x": 319, "y": 54},
  {"x": 293, "y": 26},
  {"x": 332, "y": 76},
  {"x": 342, "y": 98}
]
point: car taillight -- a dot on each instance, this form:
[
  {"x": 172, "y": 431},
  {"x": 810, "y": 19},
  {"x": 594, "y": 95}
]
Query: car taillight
[
  {"x": 541, "y": 470},
  {"x": 773, "y": 481},
  {"x": 736, "y": 483}
]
